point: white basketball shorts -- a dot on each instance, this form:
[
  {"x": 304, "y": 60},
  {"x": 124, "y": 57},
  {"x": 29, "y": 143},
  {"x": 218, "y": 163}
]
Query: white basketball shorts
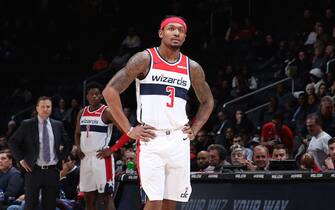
[
  {"x": 164, "y": 166},
  {"x": 96, "y": 174}
]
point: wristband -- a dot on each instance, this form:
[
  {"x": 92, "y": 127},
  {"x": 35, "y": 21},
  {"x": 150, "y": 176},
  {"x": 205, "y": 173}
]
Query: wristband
[{"x": 130, "y": 130}]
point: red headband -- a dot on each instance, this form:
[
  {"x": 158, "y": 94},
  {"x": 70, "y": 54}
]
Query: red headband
[{"x": 173, "y": 20}]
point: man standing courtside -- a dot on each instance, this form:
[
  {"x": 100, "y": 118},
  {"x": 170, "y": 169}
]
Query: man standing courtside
[{"x": 39, "y": 145}]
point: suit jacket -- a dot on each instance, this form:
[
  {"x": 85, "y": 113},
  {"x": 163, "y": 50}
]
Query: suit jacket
[{"x": 24, "y": 143}]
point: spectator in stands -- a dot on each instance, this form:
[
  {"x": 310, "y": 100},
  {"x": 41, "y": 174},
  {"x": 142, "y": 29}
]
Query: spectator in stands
[
  {"x": 202, "y": 160},
  {"x": 275, "y": 132},
  {"x": 313, "y": 103},
  {"x": 260, "y": 158},
  {"x": 241, "y": 140},
  {"x": 280, "y": 152},
  {"x": 69, "y": 177},
  {"x": 303, "y": 67},
  {"x": 304, "y": 24},
  {"x": 328, "y": 20},
  {"x": 318, "y": 61},
  {"x": 128, "y": 155},
  {"x": 244, "y": 74},
  {"x": 132, "y": 41},
  {"x": 60, "y": 111},
  {"x": 242, "y": 124},
  {"x": 269, "y": 111},
  {"x": 330, "y": 56},
  {"x": 318, "y": 146},
  {"x": 307, "y": 162},
  {"x": 285, "y": 98},
  {"x": 223, "y": 93},
  {"x": 11, "y": 180},
  {"x": 316, "y": 77},
  {"x": 241, "y": 87},
  {"x": 330, "y": 160},
  {"x": 202, "y": 140},
  {"x": 238, "y": 155},
  {"x": 268, "y": 48},
  {"x": 193, "y": 157},
  {"x": 220, "y": 126},
  {"x": 298, "y": 114},
  {"x": 70, "y": 117},
  {"x": 315, "y": 34},
  {"x": 310, "y": 89},
  {"x": 323, "y": 90},
  {"x": 217, "y": 158},
  {"x": 327, "y": 115},
  {"x": 227, "y": 139}
]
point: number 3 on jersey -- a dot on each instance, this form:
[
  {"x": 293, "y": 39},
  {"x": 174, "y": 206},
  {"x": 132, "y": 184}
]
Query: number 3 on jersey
[{"x": 171, "y": 91}]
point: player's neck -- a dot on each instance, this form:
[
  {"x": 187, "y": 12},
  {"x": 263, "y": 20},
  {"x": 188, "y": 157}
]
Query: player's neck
[
  {"x": 169, "y": 54},
  {"x": 94, "y": 107}
]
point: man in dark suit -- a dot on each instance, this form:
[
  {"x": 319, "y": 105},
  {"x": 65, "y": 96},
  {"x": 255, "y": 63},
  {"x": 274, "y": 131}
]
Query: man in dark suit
[{"x": 39, "y": 145}]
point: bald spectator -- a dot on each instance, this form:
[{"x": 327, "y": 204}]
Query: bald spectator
[
  {"x": 280, "y": 152},
  {"x": 202, "y": 160},
  {"x": 217, "y": 158},
  {"x": 318, "y": 146}
]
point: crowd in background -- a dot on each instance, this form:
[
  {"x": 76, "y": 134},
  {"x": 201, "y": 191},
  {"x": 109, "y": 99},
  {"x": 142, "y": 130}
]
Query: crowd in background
[{"x": 239, "y": 57}]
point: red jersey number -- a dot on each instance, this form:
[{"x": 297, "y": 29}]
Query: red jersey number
[{"x": 171, "y": 91}]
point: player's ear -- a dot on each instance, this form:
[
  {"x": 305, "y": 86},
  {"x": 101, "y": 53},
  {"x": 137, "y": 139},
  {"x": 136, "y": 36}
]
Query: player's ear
[{"x": 160, "y": 33}]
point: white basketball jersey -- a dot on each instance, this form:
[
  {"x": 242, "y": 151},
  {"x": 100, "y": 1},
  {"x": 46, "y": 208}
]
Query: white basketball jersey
[
  {"x": 162, "y": 94},
  {"x": 95, "y": 134}
]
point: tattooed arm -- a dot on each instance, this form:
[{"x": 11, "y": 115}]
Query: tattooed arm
[{"x": 137, "y": 66}]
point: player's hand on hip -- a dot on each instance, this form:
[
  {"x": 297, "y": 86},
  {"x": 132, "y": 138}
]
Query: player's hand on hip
[
  {"x": 80, "y": 154},
  {"x": 25, "y": 165},
  {"x": 188, "y": 130},
  {"x": 107, "y": 152},
  {"x": 143, "y": 132}
]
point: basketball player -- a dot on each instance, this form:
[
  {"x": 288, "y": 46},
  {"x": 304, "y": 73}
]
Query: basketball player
[
  {"x": 93, "y": 133},
  {"x": 163, "y": 77}
]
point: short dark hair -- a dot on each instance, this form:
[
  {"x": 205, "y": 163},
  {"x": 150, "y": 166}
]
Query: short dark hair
[
  {"x": 280, "y": 146},
  {"x": 43, "y": 98},
  {"x": 220, "y": 149},
  {"x": 8, "y": 153},
  {"x": 331, "y": 141},
  {"x": 93, "y": 85}
]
